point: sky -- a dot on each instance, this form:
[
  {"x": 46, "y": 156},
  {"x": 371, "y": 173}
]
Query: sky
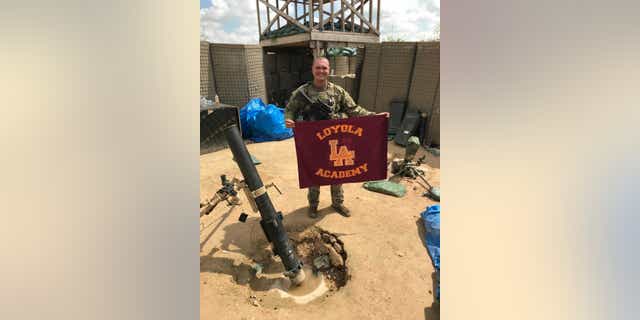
[{"x": 235, "y": 21}]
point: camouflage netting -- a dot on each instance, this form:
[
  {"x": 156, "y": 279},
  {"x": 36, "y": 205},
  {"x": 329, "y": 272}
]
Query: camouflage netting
[{"x": 291, "y": 29}]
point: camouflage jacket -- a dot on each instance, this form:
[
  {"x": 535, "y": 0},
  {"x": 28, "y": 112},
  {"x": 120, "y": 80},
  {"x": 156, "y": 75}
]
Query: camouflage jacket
[{"x": 341, "y": 103}]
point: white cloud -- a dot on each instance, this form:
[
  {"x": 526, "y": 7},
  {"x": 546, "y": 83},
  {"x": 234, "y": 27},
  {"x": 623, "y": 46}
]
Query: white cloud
[
  {"x": 410, "y": 20},
  {"x": 235, "y": 21},
  {"x": 229, "y": 21}
]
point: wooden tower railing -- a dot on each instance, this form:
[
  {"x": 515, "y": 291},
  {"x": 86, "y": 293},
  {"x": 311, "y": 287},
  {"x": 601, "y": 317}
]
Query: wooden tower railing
[{"x": 294, "y": 22}]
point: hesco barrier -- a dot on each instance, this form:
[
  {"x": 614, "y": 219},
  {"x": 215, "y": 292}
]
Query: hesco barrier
[
  {"x": 369, "y": 76},
  {"x": 407, "y": 72},
  {"x": 341, "y": 66},
  {"x": 207, "y": 85},
  {"x": 238, "y": 73},
  {"x": 425, "y": 88},
  {"x": 385, "y": 72},
  {"x": 433, "y": 136},
  {"x": 426, "y": 76},
  {"x": 394, "y": 78}
]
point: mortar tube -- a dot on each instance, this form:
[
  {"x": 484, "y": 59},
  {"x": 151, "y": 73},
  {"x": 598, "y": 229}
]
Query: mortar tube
[{"x": 271, "y": 222}]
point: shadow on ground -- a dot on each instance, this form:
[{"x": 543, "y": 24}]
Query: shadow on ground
[{"x": 244, "y": 245}]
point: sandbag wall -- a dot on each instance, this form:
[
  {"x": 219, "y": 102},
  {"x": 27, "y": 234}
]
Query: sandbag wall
[
  {"x": 237, "y": 73},
  {"x": 345, "y": 72},
  {"x": 407, "y": 72}
]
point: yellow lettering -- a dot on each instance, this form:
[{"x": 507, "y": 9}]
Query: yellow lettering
[
  {"x": 339, "y": 128},
  {"x": 341, "y": 158}
]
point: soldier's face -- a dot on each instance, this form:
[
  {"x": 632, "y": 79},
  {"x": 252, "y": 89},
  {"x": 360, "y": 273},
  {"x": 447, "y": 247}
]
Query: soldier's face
[{"x": 320, "y": 69}]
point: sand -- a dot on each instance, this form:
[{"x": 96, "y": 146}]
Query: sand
[{"x": 388, "y": 264}]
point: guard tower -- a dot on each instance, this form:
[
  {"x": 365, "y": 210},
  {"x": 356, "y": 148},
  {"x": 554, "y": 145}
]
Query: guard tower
[{"x": 318, "y": 24}]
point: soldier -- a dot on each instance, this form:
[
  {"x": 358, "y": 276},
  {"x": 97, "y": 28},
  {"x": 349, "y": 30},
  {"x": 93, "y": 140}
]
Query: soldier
[{"x": 311, "y": 97}]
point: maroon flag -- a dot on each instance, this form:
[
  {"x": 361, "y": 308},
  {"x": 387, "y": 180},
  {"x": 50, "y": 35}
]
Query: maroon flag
[{"x": 341, "y": 151}]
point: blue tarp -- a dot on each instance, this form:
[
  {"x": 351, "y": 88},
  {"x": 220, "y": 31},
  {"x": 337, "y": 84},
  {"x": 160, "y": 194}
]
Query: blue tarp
[
  {"x": 262, "y": 122},
  {"x": 431, "y": 219}
]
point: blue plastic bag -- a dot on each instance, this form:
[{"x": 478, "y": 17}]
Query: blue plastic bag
[
  {"x": 262, "y": 122},
  {"x": 431, "y": 219}
]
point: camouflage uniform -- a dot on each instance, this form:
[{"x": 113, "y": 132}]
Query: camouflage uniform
[{"x": 342, "y": 106}]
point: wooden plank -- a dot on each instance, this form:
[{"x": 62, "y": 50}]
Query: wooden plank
[
  {"x": 343, "y": 44},
  {"x": 342, "y": 13},
  {"x": 360, "y": 5},
  {"x": 333, "y": 28},
  {"x": 378, "y": 18},
  {"x": 277, "y": 17},
  {"x": 370, "y": 10},
  {"x": 311, "y": 17},
  {"x": 268, "y": 18},
  {"x": 285, "y": 16},
  {"x": 258, "y": 11},
  {"x": 359, "y": 16},
  {"x": 303, "y": 16},
  {"x": 338, "y": 36},
  {"x": 352, "y": 12},
  {"x": 321, "y": 15},
  {"x": 296, "y": 38}
]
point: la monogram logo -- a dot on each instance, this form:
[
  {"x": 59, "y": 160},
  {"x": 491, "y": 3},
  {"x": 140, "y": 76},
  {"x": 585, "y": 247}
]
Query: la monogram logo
[{"x": 342, "y": 156}]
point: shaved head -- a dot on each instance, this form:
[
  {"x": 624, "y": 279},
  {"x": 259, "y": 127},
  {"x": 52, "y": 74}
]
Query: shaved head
[{"x": 318, "y": 59}]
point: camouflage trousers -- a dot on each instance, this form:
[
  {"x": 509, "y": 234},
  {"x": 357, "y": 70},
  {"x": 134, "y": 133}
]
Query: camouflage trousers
[{"x": 337, "y": 195}]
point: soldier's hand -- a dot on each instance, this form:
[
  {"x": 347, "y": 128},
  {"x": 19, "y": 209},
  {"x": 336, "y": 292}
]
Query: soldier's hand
[
  {"x": 289, "y": 123},
  {"x": 386, "y": 114}
]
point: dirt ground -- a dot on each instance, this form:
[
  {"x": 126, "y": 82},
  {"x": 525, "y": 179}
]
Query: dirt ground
[{"x": 389, "y": 267}]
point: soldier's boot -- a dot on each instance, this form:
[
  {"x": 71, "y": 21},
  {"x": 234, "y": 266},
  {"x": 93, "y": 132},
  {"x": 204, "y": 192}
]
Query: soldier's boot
[
  {"x": 313, "y": 211},
  {"x": 337, "y": 199},
  {"x": 341, "y": 209},
  {"x": 313, "y": 196}
]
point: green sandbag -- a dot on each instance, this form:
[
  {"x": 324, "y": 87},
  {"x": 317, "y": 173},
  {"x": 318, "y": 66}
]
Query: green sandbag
[{"x": 386, "y": 187}]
